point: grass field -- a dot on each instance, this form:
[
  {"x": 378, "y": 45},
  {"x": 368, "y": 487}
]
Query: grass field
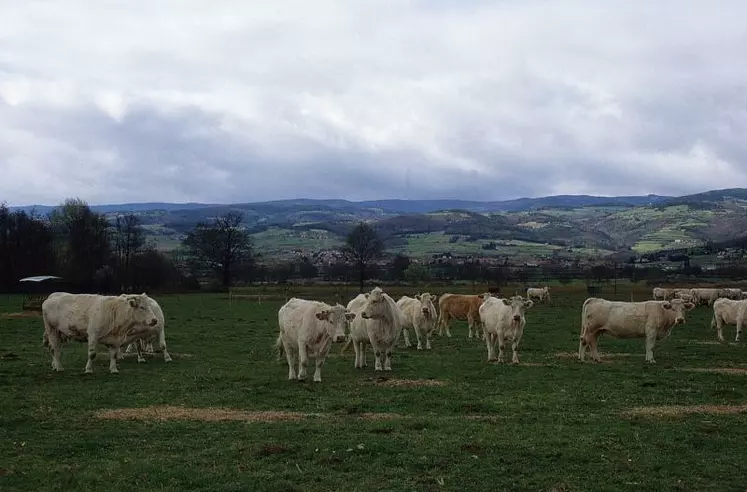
[{"x": 443, "y": 420}]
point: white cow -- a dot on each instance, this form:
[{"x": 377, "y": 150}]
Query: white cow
[
  {"x": 541, "y": 294},
  {"x": 504, "y": 318},
  {"x": 383, "y": 321},
  {"x": 307, "y": 328},
  {"x": 661, "y": 294},
  {"x": 653, "y": 320},
  {"x": 727, "y": 311},
  {"x": 732, "y": 293},
  {"x": 358, "y": 330},
  {"x": 420, "y": 315},
  {"x": 705, "y": 296},
  {"x": 146, "y": 345},
  {"x": 112, "y": 321}
]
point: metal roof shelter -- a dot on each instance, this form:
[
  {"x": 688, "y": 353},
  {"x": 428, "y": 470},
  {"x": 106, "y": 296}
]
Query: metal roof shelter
[{"x": 37, "y": 288}]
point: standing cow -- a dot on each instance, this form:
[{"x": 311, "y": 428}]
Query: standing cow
[
  {"x": 705, "y": 296},
  {"x": 727, "y": 311},
  {"x": 652, "y": 320},
  {"x": 463, "y": 307},
  {"x": 383, "y": 321},
  {"x": 420, "y": 315},
  {"x": 501, "y": 319},
  {"x": 541, "y": 294},
  {"x": 308, "y": 328},
  {"x": 112, "y": 321},
  {"x": 661, "y": 294}
]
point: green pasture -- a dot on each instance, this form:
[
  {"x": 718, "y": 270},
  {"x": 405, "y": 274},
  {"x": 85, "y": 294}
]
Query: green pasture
[{"x": 444, "y": 419}]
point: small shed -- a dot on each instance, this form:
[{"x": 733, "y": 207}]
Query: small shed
[{"x": 36, "y": 289}]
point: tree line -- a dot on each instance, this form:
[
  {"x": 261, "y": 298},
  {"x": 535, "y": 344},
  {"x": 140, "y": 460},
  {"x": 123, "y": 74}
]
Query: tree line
[{"x": 96, "y": 253}]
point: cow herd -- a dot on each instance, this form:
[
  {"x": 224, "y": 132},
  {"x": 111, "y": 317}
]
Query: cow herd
[{"x": 308, "y": 328}]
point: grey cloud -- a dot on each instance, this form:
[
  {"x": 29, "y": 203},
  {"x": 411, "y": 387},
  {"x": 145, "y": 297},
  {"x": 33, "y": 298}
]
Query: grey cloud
[{"x": 371, "y": 99}]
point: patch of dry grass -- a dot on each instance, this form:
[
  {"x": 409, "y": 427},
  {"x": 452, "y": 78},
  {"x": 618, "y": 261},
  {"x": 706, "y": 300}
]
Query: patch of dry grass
[
  {"x": 23, "y": 314},
  {"x": 679, "y": 410},
  {"x": 717, "y": 370},
  {"x": 165, "y": 412},
  {"x": 405, "y": 383}
]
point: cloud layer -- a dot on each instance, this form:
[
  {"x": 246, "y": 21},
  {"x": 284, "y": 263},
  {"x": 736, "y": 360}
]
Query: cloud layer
[{"x": 361, "y": 99}]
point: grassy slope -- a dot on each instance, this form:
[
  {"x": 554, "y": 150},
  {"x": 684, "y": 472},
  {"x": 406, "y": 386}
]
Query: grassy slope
[{"x": 542, "y": 427}]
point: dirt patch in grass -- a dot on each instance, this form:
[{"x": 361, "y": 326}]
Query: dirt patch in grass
[
  {"x": 380, "y": 416},
  {"x": 574, "y": 355},
  {"x": 164, "y": 413},
  {"x": 678, "y": 410},
  {"x": 717, "y": 370},
  {"x": 23, "y": 314},
  {"x": 406, "y": 383}
]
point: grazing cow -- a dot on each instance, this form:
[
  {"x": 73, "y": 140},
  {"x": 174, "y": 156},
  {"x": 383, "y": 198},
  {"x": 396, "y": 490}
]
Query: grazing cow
[
  {"x": 732, "y": 293},
  {"x": 383, "y": 320},
  {"x": 112, "y": 321},
  {"x": 307, "y": 328},
  {"x": 420, "y": 315},
  {"x": 684, "y": 294},
  {"x": 501, "y": 319},
  {"x": 661, "y": 294},
  {"x": 730, "y": 312},
  {"x": 541, "y": 295},
  {"x": 459, "y": 306},
  {"x": 146, "y": 345},
  {"x": 652, "y": 320},
  {"x": 705, "y": 296}
]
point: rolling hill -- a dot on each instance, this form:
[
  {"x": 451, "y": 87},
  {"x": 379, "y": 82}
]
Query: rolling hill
[{"x": 566, "y": 225}]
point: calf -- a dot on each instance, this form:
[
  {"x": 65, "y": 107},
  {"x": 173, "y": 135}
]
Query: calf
[
  {"x": 504, "y": 318},
  {"x": 652, "y": 320},
  {"x": 307, "y": 328},
  {"x": 459, "y": 306}
]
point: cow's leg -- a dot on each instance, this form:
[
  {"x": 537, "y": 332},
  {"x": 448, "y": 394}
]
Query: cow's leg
[
  {"x": 139, "y": 351},
  {"x": 582, "y": 344},
  {"x": 471, "y": 326},
  {"x": 739, "y": 329},
  {"x": 303, "y": 360},
  {"x": 130, "y": 347},
  {"x": 55, "y": 346},
  {"x": 428, "y": 339},
  {"x": 91, "y": 354},
  {"x": 113, "y": 360},
  {"x": 378, "y": 356},
  {"x": 363, "y": 355},
  {"x": 418, "y": 329},
  {"x": 593, "y": 340},
  {"x": 319, "y": 361},
  {"x": 407, "y": 337},
  {"x": 162, "y": 345},
  {"x": 716, "y": 325},
  {"x": 357, "y": 349},
  {"x": 515, "y": 347},
  {"x": 501, "y": 345},
  {"x": 650, "y": 342},
  {"x": 290, "y": 356},
  {"x": 490, "y": 343}
]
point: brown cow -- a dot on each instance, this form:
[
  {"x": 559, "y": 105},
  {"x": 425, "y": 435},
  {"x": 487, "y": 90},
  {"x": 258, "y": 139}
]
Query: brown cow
[{"x": 463, "y": 307}]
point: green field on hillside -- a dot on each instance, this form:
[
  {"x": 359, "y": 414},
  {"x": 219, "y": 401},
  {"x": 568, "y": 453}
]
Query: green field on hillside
[{"x": 223, "y": 416}]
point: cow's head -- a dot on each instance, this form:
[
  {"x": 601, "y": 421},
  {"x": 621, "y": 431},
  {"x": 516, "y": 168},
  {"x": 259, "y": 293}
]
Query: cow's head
[
  {"x": 142, "y": 313},
  {"x": 679, "y": 307},
  {"x": 375, "y": 306},
  {"x": 426, "y": 304},
  {"x": 518, "y": 306},
  {"x": 336, "y": 321}
]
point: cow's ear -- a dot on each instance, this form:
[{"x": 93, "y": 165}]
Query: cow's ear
[
  {"x": 528, "y": 303},
  {"x": 321, "y": 316},
  {"x": 419, "y": 297},
  {"x": 667, "y": 305},
  {"x": 350, "y": 316},
  {"x": 366, "y": 295},
  {"x": 133, "y": 302},
  {"x": 689, "y": 305},
  {"x": 506, "y": 302}
]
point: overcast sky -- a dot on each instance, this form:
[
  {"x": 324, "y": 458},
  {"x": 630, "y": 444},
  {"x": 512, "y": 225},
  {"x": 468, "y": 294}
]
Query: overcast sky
[{"x": 176, "y": 100}]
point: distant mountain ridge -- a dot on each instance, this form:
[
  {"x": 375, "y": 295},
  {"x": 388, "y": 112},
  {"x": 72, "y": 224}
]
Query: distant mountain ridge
[{"x": 387, "y": 205}]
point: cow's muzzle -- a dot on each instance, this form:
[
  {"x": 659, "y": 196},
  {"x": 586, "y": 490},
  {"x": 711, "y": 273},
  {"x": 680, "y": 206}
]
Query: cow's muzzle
[
  {"x": 517, "y": 317},
  {"x": 339, "y": 338},
  {"x": 153, "y": 322},
  {"x": 679, "y": 321},
  {"x": 365, "y": 316}
]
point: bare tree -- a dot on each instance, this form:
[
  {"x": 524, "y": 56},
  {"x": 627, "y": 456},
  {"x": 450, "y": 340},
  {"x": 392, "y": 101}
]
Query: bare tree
[
  {"x": 362, "y": 247},
  {"x": 222, "y": 246},
  {"x": 129, "y": 240}
]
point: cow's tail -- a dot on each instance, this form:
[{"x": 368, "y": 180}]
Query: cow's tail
[
  {"x": 279, "y": 347},
  {"x": 582, "y": 337},
  {"x": 45, "y": 339}
]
